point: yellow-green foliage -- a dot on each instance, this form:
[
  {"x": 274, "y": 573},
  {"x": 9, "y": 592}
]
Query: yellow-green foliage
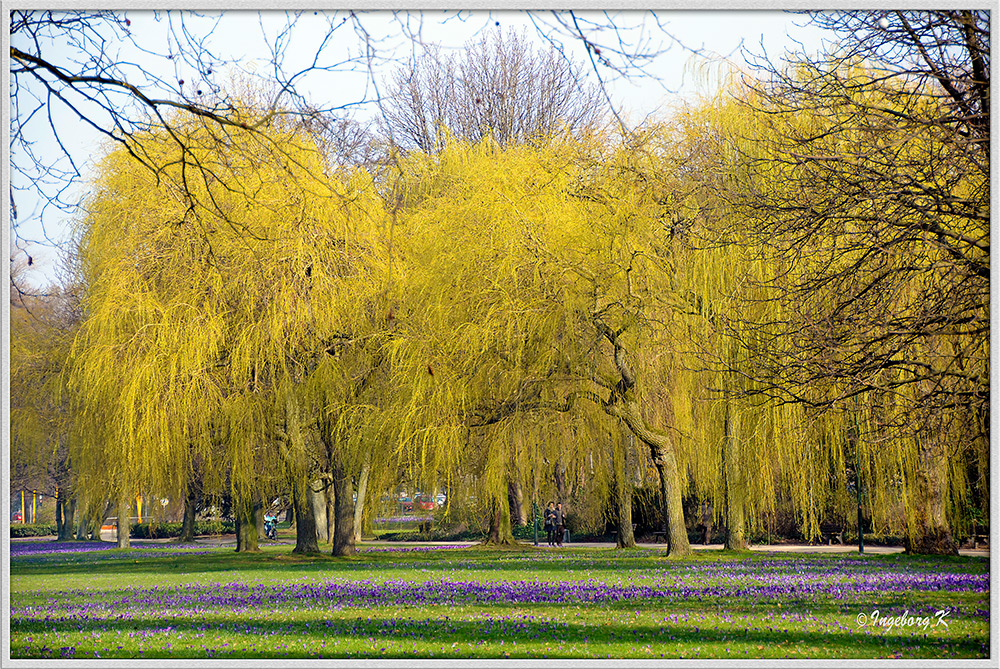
[
  {"x": 209, "y": 282},
  {"x": 41, "y": 330},
  {"x": 863, "y": 164}
]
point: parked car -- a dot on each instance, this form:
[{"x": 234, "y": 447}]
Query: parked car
[
  {"x": 17, "y": 517},
  {"x": 425, "y": 503},
  {"x": 406, "y": 503}
]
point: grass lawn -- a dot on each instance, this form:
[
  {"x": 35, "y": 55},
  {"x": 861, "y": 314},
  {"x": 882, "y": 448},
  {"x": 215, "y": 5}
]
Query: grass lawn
[{"x": 194, "y": 602}]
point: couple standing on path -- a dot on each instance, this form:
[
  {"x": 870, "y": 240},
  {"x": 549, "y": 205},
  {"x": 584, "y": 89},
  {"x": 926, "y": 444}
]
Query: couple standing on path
[{"x": 555, "y": 523}]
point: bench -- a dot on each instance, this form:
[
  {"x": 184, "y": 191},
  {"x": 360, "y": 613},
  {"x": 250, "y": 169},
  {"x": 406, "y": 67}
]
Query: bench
[
  {"x": 614, "y": 532},
  {"x": 975, "y": 540},
  {"x": 831, "y": 531}
]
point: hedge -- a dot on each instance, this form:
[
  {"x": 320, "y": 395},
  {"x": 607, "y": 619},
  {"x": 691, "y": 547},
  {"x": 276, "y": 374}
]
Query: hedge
[
  {"x": 32, "y": 530},
  {"x": 167, "y": 530}
]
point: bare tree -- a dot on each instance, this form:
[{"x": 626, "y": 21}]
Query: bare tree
[
  {"x": 93, "y": 70},
  {"x": 867, "y": 182},
  {"x": 500, "y": 87}
]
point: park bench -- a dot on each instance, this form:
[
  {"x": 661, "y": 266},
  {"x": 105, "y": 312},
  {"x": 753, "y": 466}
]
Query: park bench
[
  {"x": 614, "y": 532},
  {"x": 831, "y": 531},
  {"x": 977, "y": 540}
]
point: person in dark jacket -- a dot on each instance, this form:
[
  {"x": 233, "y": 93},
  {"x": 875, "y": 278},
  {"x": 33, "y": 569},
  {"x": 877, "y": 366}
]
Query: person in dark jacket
[
  {"x": 550, "y": 523},
  {"x": 560, "y": 524}
]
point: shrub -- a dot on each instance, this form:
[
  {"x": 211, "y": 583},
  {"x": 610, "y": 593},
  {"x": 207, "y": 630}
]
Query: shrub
[
  {"x": 166, "y": 530},
  {"x": 32, "y": 530}
]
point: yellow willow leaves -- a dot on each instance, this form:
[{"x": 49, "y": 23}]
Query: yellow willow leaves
[{"x": 221, "y": 274}]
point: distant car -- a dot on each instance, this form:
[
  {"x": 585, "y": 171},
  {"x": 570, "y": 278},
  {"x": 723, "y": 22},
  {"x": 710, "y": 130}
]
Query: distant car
[
  {"x": 17, "y": 517},
  {"x": 406, "y": 503},
  {"x": 440, "y": 499},
  {"x": 425, "y": 503}
]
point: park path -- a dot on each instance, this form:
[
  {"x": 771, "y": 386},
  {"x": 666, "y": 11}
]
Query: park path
[{"x": 230, "y": 540}]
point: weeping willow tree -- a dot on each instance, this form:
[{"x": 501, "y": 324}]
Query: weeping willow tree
[
  {"x": 41, "y": 420},
  {"x": 210, "y": 292},
  {"x": 473, "y": 353},
  {"x": 869, "y": 217},
  {"x": 538, "y": 279}
]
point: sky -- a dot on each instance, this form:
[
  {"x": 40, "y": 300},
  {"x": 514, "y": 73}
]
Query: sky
[{"x": 689, "y": 46}]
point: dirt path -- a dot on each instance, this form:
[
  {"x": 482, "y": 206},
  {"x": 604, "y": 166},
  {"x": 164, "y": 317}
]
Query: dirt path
[{"x": 228, "y": 540}]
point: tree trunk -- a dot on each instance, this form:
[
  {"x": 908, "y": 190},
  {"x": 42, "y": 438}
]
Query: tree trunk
[
  {"x": 59, "y": 515},
  {"x": 83, "y": 524},
  {"x": 124, "y": 522},
  {"x": 673, "y": 510},
  {"x": 343, "y": 491},
  {"x": 245, "y": 515},
  {"x": 735, "y": 485},
  {"x": 318, "y": 506},
  {"x": 187, "y": 526},
  {"x": 290, "y": 515},
  {"x": 95, "y": 520},
  {"x": 662, "y": 451},
  {"x": 500, "y": 533},
  {"x": 305, "y": 519},
  {"x": 621, "y": 498},
  {"x": 359, "y": 506},
  {"x": 69, "y": 512},
  {"x": 330, "y": 495},
  {"x": 515, "y": 501},
  {"x": 929, "y": 532},
  {"x": 303, "y": 507}
]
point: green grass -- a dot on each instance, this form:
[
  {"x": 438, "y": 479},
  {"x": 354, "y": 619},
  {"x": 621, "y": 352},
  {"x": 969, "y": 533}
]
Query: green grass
[{"x": 792, "y": 624}]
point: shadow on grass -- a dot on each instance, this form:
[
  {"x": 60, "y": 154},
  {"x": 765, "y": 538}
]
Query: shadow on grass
[
  {"x": 835, "y": 641},
  {"x": 280, "y": 560}
]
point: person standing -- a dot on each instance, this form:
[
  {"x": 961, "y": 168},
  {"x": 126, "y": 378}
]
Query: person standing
[
  {"x": 550, "y": 523},
  {"x": 560, "y": 519}
]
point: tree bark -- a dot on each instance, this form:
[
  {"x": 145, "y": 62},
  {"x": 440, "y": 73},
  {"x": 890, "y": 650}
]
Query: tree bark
[
  {"x": 662, "y": 452},
  {"x": 343, "y": 490},
  {"x": 245, "y": 515},
  {"x": 318, "y": 506},
  {"x": 735, "y": 485},
  {"x": 124, "y": 522},
  {"x": 187, "y": 526},
  {"x": 303, "y": 496},
  {"x": 673, "y": 510},
  {"x": 69, "y": 512},
  {"x": 330, "y": 495},
  {"x": 929, "y": 532},
  {"x": 81, "y": 522},
  {"x": 59, "y": 516},
  {"x": 95, "y": 520},
  {"x": 515, "y": 501},
  {"x": 359, "y": 506},
  {"x": 305, "y": 520},
  {"x": 500, "y": 533},
  {"x": 622, "y": 404}
]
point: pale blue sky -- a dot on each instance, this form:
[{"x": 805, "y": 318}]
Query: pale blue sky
[{"x": 677, "y": 74}]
